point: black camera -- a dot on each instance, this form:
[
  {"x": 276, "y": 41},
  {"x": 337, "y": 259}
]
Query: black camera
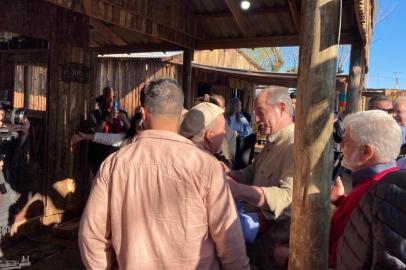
[{"x": 13, "y": 116}]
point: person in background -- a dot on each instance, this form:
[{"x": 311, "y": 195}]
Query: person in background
[
  {"x": 114, "y": 139},
  {"x": 370, "y": 145},
  {"x": 382, "y": 103},
  {"x": 102, "y": 120},
  {"x": 154, "y": 208},
  {"x": 266, "y": 185},
  {"x": 293, "y": 98},
  {"x": 400, "y": 115},
  {"x": 235, "y": 120}
]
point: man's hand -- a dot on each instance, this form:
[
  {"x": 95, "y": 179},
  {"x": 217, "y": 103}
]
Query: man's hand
[
  {"x": 337, "y": 190},
  {"x": 77, "y": 138}
]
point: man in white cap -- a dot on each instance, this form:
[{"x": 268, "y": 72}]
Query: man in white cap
[{"x": 204, "y": 125}]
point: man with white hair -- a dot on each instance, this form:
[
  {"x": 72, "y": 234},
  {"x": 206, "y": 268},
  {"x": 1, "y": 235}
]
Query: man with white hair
[
  {"x": 266, "y": 185},
  {"x": 370, "y": 145}
]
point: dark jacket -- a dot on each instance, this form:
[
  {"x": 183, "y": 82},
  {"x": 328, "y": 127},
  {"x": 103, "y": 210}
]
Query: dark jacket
[{"x": 375, "y": 236}]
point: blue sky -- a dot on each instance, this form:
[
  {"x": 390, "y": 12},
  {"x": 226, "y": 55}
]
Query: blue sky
[{"x": 388, "y": 48}]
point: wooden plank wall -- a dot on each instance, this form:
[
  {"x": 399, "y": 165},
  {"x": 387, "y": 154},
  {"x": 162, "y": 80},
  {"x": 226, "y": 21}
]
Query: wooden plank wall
[
  {"x": 128, "y": 76},
  {"x": 227, "y": 58},
  {"x": 37, "y": 87},
  {"x": 67, "y": 180}
]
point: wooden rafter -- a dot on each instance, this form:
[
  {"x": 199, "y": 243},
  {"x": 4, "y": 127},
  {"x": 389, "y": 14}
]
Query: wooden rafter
[
  {"x": 240, "y": 18},
  {"x": 165, "y": 46},
  {"x": 258, "y": 11},
  {"x": 138, "y": 22},
  {"x": 294, "y": 12},
  {"x": 107, "y": 32},
  {"x": 270, "y": 41}
]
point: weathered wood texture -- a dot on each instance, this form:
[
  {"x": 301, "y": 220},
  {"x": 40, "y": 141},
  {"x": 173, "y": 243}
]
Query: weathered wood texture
[
  {"x": 29, "y": 18},
  {"x": 128, "y": 76},
  {"x": 35, "y": 80},
  {"x": 313, "y": 149},
  {"x": 355, "y": 79},
  {"x": 66, "y": 172},
  {"x": 187, "y": 78},
  {"x": 157, "y": 20},
  {"x": 226, "y": 58}
]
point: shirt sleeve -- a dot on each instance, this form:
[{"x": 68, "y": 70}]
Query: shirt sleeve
[
  {"x": 279, "y": 198},
  {"x": 95, "y": 230},
  {"x": 244, "y": 176},
  {"x": 224, "y": 225},
  {"x": 113, "y": 139}
]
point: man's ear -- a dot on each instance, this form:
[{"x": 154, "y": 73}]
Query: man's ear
[
  {"x": 367, "y": 153},
  {"x": 282, "y": 107},
  {"x": 208, "y": 135},
  {"x": 143, "y": 113}
]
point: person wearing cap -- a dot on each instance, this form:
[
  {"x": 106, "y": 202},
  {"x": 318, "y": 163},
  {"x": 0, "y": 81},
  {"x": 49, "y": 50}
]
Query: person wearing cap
[
  {"x": 153, "y": 208},
  {"x": 204, "y": 125},
  {"x": 266, "y": 185}
]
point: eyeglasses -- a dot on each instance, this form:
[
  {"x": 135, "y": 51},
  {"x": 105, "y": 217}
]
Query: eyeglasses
[{"x": 390, "y": 111}]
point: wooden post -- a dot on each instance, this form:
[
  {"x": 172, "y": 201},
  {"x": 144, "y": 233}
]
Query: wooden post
[
  {"x": 187, "y": 77},
  {"x": 313, "y": 149},
  {"x": 26, "y": 86},
  {"x": 354, "y": 86}
]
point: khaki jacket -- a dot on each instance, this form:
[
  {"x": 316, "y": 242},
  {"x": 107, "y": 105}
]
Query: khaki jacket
[{"x": 272, "y": 170}]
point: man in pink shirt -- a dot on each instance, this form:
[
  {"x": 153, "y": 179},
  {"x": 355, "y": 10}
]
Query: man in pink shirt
[{"x": 161, "y": 202}]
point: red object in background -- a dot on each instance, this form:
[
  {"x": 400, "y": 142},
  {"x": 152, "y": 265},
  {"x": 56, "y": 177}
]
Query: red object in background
[{"x": 117, "y": 126}]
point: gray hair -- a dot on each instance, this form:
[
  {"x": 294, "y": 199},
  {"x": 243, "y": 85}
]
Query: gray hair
[
  {"x": 377, "y": 129},
  {"x": 278, "y": 94},
  {"x": 401, "y": 98},
  {"x": 199, "y": 137},
  {"x": 163, "y": 97},
  {"x": 373, "y": 100}
]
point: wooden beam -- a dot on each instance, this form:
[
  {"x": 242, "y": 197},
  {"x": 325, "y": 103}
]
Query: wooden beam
[
  {"x": 239, "y": 18},
  {"x": 115, "y": 14},
  {"x": 355, "y": 74},
  {"x": 227, "y": 13},
  {"x": 187, "y": 78},
  {"x": 272, "y": 41},
  {"x": 313, "y": 148},
  {"x": 294, "y": 13},
  {"x": 165, "y": 46},
  {"x": 107, "y": 32}
]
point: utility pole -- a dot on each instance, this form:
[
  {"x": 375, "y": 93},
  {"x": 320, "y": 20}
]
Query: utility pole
[{"x": 396, "y": 79}]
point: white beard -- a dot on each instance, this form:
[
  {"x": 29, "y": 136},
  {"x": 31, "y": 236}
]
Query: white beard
[{"x": 352, "y": 162}]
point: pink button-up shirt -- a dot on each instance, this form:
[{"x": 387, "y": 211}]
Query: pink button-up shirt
[{"x": 161, "y": 203}]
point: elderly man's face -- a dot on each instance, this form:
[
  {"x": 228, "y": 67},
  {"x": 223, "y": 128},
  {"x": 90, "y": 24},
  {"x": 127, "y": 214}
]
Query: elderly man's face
[
  {"x": 351, "y": 152},
  {"x": 267, "y": 116},
  {"x": 400, "y": 112},
  {"x": 218, "y": 133}
]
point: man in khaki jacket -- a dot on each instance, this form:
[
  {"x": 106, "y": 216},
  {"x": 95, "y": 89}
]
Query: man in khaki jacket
[
  {"x": 161, "y": 202},
  {"x": 266, "y": 185}
]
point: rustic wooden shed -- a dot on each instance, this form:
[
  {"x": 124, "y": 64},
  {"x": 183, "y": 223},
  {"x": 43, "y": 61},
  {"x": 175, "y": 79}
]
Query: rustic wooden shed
[{"x": 67, "y": 35}]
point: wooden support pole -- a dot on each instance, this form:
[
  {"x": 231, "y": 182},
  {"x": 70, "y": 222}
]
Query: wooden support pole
[
  {"x": 313, "y": 149},
  {"x": 187, "y": 77},
  {"x": 354, "y": 86},
  {"x": 26, "y": 86}
]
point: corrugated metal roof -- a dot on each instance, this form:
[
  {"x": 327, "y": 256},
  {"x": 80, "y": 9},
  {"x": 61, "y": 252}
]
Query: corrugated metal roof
[{"x": 141, "y": 55}]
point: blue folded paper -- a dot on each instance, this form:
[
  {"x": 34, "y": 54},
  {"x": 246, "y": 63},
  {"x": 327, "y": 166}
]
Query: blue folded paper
[{"x": 249, "y": 223}]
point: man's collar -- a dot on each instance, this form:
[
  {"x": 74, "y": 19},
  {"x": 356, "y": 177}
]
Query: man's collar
[
  {"x": 367, "y": 173},
  {"x": 282, "y": 134}
]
